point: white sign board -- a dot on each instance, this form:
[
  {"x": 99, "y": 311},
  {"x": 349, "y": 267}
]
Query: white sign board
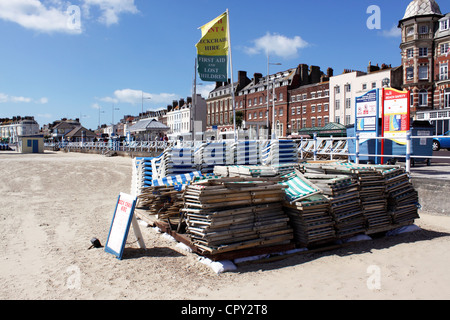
[{"x": 120, "y": 225}]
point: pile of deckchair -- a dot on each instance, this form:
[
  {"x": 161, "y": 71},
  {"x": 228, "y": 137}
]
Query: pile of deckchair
[
  {"x": 308, "y": 210},
  {"x": 229, "y": 214},
  {"x": 402, "y": 198},
  {"x": 345, "y": 205},
  {"x": 162, "y": 201}
]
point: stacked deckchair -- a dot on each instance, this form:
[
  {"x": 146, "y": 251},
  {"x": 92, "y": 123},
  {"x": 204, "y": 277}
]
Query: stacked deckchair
[
  {"x": 342, "y": 190},
  {"x": 275, "y": 152},
  {"x": 158, "y": 199},
  {"x": 230, "y": 214},
  {"x": 176, "y": 161},
  {"x": 246, "y": 152},
  {"x": 212, "y": 154},
  {"x": 402, "y": 198},
  {"x": 308, "y": 211}
]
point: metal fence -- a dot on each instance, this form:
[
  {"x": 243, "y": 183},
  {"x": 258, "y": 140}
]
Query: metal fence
[{"x": 318, "y": 148}]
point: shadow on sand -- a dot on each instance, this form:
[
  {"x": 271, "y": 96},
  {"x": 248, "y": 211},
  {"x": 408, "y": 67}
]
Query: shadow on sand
[{"x": 378, "y": 242}]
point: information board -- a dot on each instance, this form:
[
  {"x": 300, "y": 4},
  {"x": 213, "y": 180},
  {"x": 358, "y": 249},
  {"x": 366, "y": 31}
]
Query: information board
[
  {"x": 367, "y": 115},
  {"x": 120, "y": 225},
  {"x": 396, "y": 114}
]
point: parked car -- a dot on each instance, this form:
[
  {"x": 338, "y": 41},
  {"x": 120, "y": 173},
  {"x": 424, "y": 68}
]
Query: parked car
[{"x": 442, "y": 142}]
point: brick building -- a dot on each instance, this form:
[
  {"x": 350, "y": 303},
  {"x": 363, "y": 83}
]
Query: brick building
[
  {"x": 219, "y": 105},
  {"x": 309, "y": 103},
  {"x": 425, "y": 59}
]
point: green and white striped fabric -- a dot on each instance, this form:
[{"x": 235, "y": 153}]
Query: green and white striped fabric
[{"x": 298, "y": 188}]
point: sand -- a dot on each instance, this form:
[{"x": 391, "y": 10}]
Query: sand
[{"x": 54, "y": 203}]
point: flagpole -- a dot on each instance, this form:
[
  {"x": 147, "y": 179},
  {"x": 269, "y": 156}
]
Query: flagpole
[
  {"x": 232, "y": 81},
  {"x": 194, "y": 102}
]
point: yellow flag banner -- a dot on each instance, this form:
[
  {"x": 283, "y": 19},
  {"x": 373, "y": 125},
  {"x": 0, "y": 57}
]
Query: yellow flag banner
[{"x": 212, "y": 50}]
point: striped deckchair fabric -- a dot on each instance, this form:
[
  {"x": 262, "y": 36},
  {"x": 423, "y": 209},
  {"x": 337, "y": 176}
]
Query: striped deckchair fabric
[
  {"x": 299, "y": 188},
  {"x": 178, "y": 181}
]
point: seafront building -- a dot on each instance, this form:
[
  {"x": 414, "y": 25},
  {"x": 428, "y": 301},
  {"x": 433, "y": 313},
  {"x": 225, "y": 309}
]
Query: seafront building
[
  {"x": 12, "y": 129},
  {"x": 425, "y": 49},
  {"x": 182, "y": 119},
  {"x": 346, "y": 87}
]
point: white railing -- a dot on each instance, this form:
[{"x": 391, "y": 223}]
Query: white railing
[{"x": 330, "y": 148}]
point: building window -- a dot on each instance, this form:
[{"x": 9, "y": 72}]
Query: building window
[
  {"x": 423, "y": 29},
  {"x": 348, "y": 88},
  {"x": 409, "y": 53},
  {"x": 299, "y": 110},
  {"x": 255, "y": 101},
  {"x": 443, "y": 71},
  {"x": 364, "y": 86},
  {"x": 304, "y": 109},
  {"x": 319, "y": 122},
  {"x": 347, "y": 119},
  {"x": 281, "y": 112},
  {"x": 410, "y": 73},
  {"x": 337, "y": 119},
  {"x": 337, "y": 105},
  {"x": 348, "y": 103},
  {"x": 249, "y": 102},
  {"x": 423, "y": 72},
  {"x": 444, "y": 25},
  {"x": 303, "y": 123},
  {"x": 260, "y": 100},
  {"x": 445, "y": 48},
  {"x": 325, "y": 121},
  {"x": 254, "y": 115},
  {"x": 281, "y": 96},
  {"x": 313, "y": 95},
  {"x": 374, "y": 85},
  {"x": 319, "y": 108},
  {"x": 411, "y": 99},
  {"x": 249, "y": 116},
  {"x": 293, "y": 111},
  {"x": 313, "y": 109},
  {"x": 337, "y": 90},
  {"x": 325, "y": 107},
  {"x": 313, "y": 122},
  {"x": 447, "y": 100},
  {"x": 423, "y": 98},
  {"x": 423, "y": 52}
]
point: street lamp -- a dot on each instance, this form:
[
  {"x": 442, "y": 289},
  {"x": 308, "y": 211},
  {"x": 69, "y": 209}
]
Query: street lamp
[
  {"x": 99, "y": 111},
  {"x": 113, "y": 134},
  {"x": 268, "y": 92}
]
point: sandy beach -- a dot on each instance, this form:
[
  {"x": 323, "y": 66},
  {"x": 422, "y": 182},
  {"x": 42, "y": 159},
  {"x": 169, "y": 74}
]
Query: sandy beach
[{"x": 54, "y": 203}]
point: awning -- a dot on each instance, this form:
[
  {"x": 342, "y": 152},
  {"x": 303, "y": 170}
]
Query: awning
[{"x": 148, "y": 125}]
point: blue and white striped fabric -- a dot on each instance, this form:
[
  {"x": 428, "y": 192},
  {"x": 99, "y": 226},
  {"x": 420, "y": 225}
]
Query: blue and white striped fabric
[
  {"x": 177, "y": 180},
  {"x": 246, "y": 153}
]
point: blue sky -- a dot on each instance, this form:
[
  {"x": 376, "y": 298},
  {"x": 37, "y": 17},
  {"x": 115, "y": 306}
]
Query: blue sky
[{"x": 112, "y": 50}]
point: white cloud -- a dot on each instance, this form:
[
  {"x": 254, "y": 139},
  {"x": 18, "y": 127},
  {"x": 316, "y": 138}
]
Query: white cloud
[
  {"x": 60, "y": 15},
  {"x": 278, "y": 45},
  {"x": 45, "y": 115},
  {"x": 43, "y": 100},
  {"x": 135, "y": 96},
  {"x": 44, "y": 16},
  {"x": 110, "y": 9},
  {"x": 393, "y": 32},
  {"x": 5, "y": 98},
  {"x": 204, "y": 90}
]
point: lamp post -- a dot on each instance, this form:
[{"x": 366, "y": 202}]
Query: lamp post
[
  {"x": 113, "y": 133},
  {"x": 268, "y": 92},
  {"x": 99, "y": 111}
]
